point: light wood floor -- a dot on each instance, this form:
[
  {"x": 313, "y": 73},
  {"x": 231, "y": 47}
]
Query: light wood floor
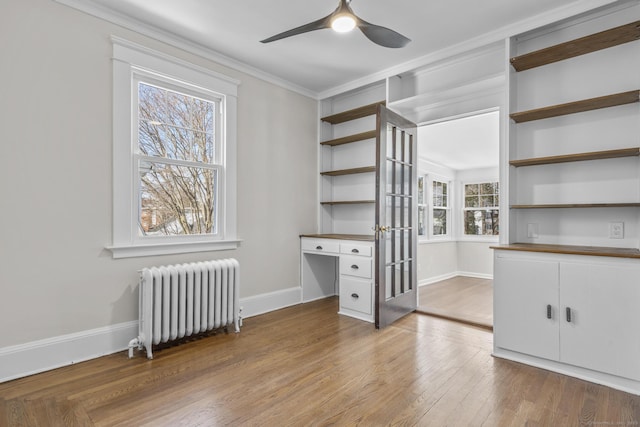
[
  {"x": 307, "y": 365},
  {"x": 460, "y": 298}
]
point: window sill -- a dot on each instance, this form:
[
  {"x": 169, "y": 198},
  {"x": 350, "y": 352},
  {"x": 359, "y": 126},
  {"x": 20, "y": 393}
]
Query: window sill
[{"x": 131, "y": 251}]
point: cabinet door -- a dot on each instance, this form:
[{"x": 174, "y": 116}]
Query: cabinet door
[
  {"x": 522, "y": 291},
  {"x": 603, "y": 331}
]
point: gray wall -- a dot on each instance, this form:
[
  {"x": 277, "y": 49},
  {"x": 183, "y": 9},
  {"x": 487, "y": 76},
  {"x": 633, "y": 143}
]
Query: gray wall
[{"x": 55, "y": 177}]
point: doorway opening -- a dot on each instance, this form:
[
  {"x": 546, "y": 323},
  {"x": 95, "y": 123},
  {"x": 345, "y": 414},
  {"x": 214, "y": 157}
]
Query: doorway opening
[{"x": 459, "y": 218}]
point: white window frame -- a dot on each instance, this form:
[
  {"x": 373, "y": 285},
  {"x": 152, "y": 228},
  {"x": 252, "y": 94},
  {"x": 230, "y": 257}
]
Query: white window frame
[
  {"x": 463, "y": 204},
  {"x": 430, "y": 178},
  {"x": 424, "y": 205},
  {"x": 131, "y": 62}
]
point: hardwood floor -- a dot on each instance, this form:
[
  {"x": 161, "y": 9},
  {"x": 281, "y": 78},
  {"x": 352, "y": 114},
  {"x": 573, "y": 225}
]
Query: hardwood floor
[
  {"x": 465, "y": 299},
  {"x": 307, "y": 365}
]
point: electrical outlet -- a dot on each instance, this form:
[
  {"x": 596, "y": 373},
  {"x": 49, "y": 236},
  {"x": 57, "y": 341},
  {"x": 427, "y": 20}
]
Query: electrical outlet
[
  {"x": 616, "y": 230},
  {"x": 532, "y": 230}
]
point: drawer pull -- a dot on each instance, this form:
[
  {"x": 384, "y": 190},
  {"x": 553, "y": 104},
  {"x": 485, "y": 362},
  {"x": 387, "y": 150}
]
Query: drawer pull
[
  {"x": 355, "y": 267},
  {"x": 354, "y": 295},
  {"x": 319, "y": 247},
  {"x": 569, "y": 314},
  {"x": 548, "y": 311},
  {"x": 355, "y": 251}
]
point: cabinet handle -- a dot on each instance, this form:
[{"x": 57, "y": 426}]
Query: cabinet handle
[
  {"x": 355, "y": 251},
  {"x": 569, "y": 314},
  {"x": 354, "y": 295},
  {"x": 548, "y": 311},
  {"x": 355, "y": 267},
  {"x": 319, "y": 247}
]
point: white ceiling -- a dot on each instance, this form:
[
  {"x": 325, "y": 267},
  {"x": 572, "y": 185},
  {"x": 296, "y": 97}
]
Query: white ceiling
[
  {"x": 462, "y": 144},
  {"x": 320, "y": 61}
]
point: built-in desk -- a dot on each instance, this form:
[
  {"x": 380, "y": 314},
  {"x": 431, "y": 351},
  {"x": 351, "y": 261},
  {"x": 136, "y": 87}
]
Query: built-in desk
[{"x": 339, "y": 264}]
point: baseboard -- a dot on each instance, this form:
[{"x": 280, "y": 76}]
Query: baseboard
[
  {"x": 39, "y": 356},
  {"x": 435, "y": 279},
  {"x": 613, "y": 381},
  {"x": 264, "y": 303},
  {"x": 475, "y": 275},
  {"x": 51, "y": 353}
]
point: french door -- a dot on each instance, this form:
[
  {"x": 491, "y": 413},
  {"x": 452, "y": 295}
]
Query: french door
[{"x": 396, "y": 217}]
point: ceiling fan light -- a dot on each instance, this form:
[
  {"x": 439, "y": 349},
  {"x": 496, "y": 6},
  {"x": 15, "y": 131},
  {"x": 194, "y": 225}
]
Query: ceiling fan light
[{"x": 343, "y": 23}]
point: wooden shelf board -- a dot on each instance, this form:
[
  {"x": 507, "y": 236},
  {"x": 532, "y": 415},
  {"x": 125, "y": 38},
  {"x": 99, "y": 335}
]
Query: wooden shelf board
[
  {"x": 577, "y": 205},
  {"x": 356, "y": 113},
  {"x": 577, "y": 106},
  {"x": 360, "y": 237},
  {"x": 348, "y": 202},
  {"x": 351, "y": 138},
  {"x": 365, "y": 169},
  {"x": 572, "y": 250},
  {"x": 594, "y": 155},
  {"x": 591, "y": 43}
]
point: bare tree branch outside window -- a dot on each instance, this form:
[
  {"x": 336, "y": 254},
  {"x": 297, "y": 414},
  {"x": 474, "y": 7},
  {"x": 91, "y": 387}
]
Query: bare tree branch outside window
[{"x": 178, "y": 177}]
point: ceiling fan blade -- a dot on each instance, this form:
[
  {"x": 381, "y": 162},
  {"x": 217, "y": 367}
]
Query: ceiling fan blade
[
  {"x": 381, "y": 35},
  {"x": 312, "y": 26}
]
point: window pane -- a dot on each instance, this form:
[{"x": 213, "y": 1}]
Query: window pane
[
  {"x": 486, "y": 188},
  {"x": 439, "y": 222},
  {"x": 420, "y": 190},
  {"x": 486, "y": 201},
  {"x": 177, "y": 200},
  {"x": 470, "y": 201},
  {"x": 439, "y": 194},
  {"x": 174, "y": 125},
  {"x": 471, "y": 189},
  {"x": 481, "y": 222},
  {"x": 421, "y": 220}
]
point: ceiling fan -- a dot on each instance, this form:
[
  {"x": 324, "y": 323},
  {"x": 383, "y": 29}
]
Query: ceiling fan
[{"x": 342, "y": 20}]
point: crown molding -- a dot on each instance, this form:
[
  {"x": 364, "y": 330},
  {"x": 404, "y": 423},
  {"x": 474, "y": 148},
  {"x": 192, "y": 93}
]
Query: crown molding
[{"x": 94, "y": 9}]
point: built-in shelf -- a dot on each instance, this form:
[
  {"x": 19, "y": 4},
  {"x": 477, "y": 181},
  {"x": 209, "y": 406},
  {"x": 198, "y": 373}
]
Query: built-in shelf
[
  {"x": 352, "y": 171},
  {"x": 361, "y": 237},
  {"x": 577, "y": 106},
  {"x": 349, "y": 202},
  {"x": 591, "y": 43},
  {"x": 356, "y": 113},
  {"x": 578, "y": 157},
  {"x": 577, "y": 205},
  {"x": 351, "y": 138},
  {"x": 572, "y": 250}
]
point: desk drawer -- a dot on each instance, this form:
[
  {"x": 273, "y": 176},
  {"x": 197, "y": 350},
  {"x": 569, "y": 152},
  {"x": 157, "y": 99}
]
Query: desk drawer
[
  {"x": 356, "y": 249},
  {"x": 320, "y": 245},
  {"x": 355, "y": 266},
  {"x": 355, "y": 294}
]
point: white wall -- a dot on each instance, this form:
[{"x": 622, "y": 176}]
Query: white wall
[{"x": 55, "y": 177}]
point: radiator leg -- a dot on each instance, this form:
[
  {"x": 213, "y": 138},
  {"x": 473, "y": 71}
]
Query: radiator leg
[{"x": 133, "y": 343}]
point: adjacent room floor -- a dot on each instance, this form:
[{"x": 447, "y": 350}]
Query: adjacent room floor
[{"x": 460, "y": 298}]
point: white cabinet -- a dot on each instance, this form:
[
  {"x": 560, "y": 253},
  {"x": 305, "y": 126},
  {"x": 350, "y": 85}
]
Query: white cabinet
[
  {"x": 576, "y": 310},
  {"x": 526, "y": 306},
  {"x": 603, "y": 332},
  {"x": 339, "y": 267}
]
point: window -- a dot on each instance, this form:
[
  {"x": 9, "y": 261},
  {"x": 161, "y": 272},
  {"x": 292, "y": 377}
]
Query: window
[
  {"x": 177, "y": 161},
  {"x": 422, "y": 207},
  {"x": 481, "y": 212},
  {"x": 440, "y": 208},
  {"x": 174, "y": 155}
]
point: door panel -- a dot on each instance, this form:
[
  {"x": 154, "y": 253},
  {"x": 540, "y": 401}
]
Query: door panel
[
  {"x": 396, "y": 218},
  {"x": 522, "y": 290},
  {"x": 603, "y": 300}
]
